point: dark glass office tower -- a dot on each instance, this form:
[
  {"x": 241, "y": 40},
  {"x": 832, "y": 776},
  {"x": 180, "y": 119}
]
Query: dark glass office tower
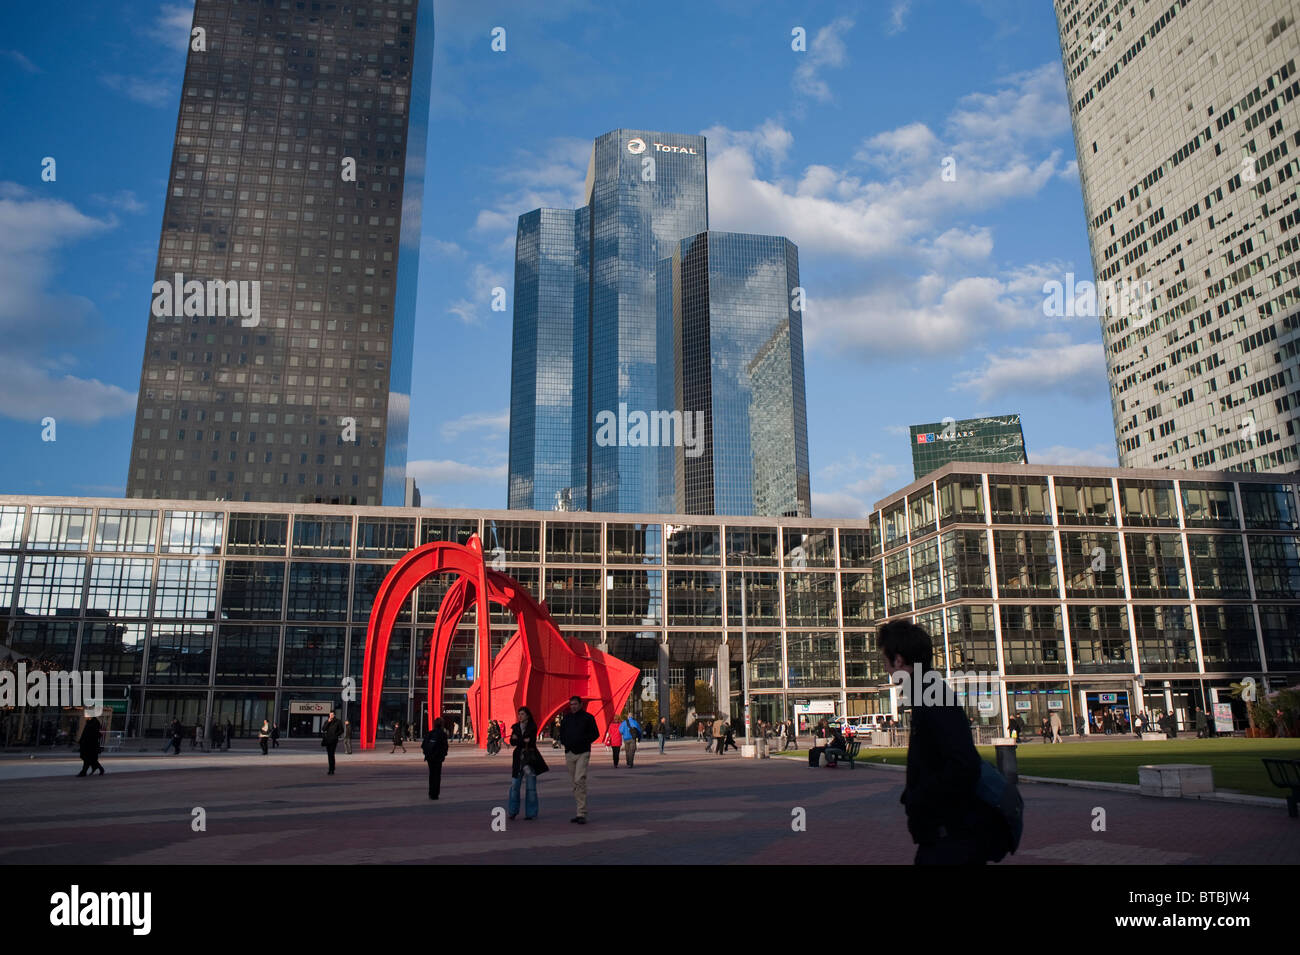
[
  {"x": 995, "y": 440},
  {"x": 645, "y": 191},
  {"x": 728, "y": 312},
  {"x": 303, "y": 395}
]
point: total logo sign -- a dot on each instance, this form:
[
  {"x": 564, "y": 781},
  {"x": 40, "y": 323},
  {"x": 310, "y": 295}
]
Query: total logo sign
[{"x": 637, "y": 146}]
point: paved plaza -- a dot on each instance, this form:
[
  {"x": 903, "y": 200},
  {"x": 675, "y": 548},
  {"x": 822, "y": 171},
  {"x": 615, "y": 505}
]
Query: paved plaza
[{"x": 683, "y": 807}]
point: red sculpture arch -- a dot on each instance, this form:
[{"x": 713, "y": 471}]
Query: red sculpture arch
[{"x": 538, "y": 667}]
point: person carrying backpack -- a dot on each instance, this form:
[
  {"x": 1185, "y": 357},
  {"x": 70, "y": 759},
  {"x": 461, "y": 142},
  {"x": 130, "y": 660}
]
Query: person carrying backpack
[
  {"x": 630, "y": 730},
  {"x": 950, "y": 792},
  {"x": 434, "y": 747}
]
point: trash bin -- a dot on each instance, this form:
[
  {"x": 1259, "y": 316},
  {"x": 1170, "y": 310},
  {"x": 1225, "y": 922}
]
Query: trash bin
[
  {"x": 1005, "y": 753},
  {"x": 761, "y": 743}
]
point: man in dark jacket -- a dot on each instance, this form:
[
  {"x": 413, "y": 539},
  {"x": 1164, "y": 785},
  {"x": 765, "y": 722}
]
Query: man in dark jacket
[
  {"x": 434, "y": 747},
  {"x": 330, "y": 734},
  {"x": 947, "y": 823},
  {"x": 577, "y": 732}
]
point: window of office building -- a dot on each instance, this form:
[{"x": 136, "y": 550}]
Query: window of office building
[
  {"x": 257, "y": 535},
  {"x": 120, "y": 586},
  {"x": 926, "y": 585},
  {"x": 634, "y": 543},
  {"x": 180, "y": 653},
  {"x": 965, "y": 564},
  {"x": 48, "y": 641},
  {"x": 365, "y": 586},
  {"x": 961, "y": 500},
  {"x": 694, "y": 598},
  {"x": 1032, "y": 639},
  {"x": 898, "y": 583},
  {"x": 455, "y": 530},
  {"x": 572, "y": 543},
  {"x": 1155, "y": 565},
  {"x": 692, "y": 544},
  {"x": 762, "y": 598},
  {"x": 573, "y": 594},
  {"x": 862, "y": 597},
  {"x": 813, "y": 659},
  {"x": 252, "y": 589},
  {"x": 115, "y": 648},
  {"x": 808, "y": 547},
  {"x": 247, "y": 655},
  {"x": 1100, "y": 637},
  {"x": 1280, "y": 628},
  {"x": 634, "y": 598},
  {"x": 192, "y": 532},
  {"x": 921, "y": 512},
  {"x": 1228, "y": 638},
  {"x": 1084, "y": 501},
  {"x": 1164, "y": 638},
  {"x": 186, "y": 588},
  {"x": 895, "y": 525},
  {"x": 1269, "y": 507},
  {"x": 313, "y": 656},
  {"x": 386, "y": 537},
  {"x": 322, "y": 536},
  {"x": 764, "y": 662},
  {"x": 318, "y": 591},
  {"x": 863, "y": 665},
  {"x": 1218, "y": 566},
  {"x": 1209, "y": 505},
  {"x": 51, "y": 586},
  {"x": 1148, "y": 504},
  {"x": 59, "y": 528},
  {"x": 1275, "y": 561},
  {"x": 518, "y": 541},
  {"x": 753, "y": 546},
  {"x": 1019, "y": 500},
  {"x": 126, "y": 531},
  {"x": 873, "y": 528},
  {"x": 972, "y": 638},
  {"x": 1092, "y": 564},
  {"x": 11, "y": 526},
  {"x": 855, "y": 548},
  {"x": 810, "y": 600},
  {"x": 1025, "y": 563}
]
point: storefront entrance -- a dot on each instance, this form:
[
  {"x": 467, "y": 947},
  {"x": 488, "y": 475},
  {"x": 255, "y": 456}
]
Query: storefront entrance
[
  {"x": 306, "y": 717},
  {"x": 1107, "y": 712}
]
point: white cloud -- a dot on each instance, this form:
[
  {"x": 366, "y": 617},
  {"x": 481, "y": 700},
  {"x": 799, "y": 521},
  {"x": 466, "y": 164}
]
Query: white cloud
[
  {"x": 482, "y": 281},
  {"x": 1056, "y": 366},
  {"x": 1099, "y": 455},
  {"x": 25, "y": 64},
  {"x": 897, "y": 14},
  {"x": 872, "y": 480},
  {"x": 1032, "y": 106},
  {"x": 479, "y": 422},
  {"x": 827, "y": 49},
  {"x": 124, "y": 200},
  {"x": 30, "y": 393},
  {"x": 171, "y": 27},
  {"x": 151, "y": 92},
  {"x": 435, "y": 473}
]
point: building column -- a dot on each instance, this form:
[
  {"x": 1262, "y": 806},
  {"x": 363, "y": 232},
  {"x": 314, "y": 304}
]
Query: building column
[
  {"x": 663, "y": 692},
  {"x": 722, "y": 685}
]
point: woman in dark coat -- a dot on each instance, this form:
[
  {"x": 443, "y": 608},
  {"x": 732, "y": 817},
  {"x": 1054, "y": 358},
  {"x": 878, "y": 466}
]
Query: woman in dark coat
[
  {"x": 434, "y": 746},
  {"x": 88, "y": 746},
  {"x": 523, "y": 737},
  {"x": 397, "y": 739}
]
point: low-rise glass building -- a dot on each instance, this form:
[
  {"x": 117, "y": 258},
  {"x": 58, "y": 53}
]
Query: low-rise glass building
[{"x": 1077, "y": 589}]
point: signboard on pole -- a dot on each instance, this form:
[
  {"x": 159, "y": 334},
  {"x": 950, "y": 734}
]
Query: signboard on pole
[{"x": 1223, "y": 717}]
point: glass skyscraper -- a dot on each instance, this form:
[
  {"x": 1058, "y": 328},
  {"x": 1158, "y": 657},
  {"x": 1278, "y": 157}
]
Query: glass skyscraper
[
  {"x": 296, "y": 180},
  {"x": 994, "y": 440},
  {"x": 731, "y": 322},
  {"x": 595, "y": 364}
]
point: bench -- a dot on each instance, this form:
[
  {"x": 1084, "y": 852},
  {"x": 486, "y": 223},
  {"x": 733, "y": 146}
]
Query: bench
[
  {"x": 1172, "y": 780},
  {"x": 1285, "y": 774},
  {"x": 851, "y": 753}
]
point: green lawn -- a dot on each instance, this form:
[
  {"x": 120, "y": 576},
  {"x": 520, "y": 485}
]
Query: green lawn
[{"x": 1236, "y": 762}]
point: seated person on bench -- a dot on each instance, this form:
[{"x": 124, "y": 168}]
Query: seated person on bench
[{"x": 837, "y": 749}]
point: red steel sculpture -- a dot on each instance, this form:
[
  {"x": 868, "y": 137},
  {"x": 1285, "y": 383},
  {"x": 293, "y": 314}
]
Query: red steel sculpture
[{"x": 538, "y": 667}]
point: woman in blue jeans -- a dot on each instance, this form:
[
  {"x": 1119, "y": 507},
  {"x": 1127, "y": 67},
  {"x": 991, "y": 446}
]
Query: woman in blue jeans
[{"x": 523, "y": 737}]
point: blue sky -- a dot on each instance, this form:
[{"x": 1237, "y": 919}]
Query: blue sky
[{"x": 924, "y": 296}]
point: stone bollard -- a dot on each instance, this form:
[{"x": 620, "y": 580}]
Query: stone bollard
[{"x": 1005, "y": 752}]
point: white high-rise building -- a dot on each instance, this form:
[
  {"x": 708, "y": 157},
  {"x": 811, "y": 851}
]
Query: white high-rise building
[{"x": 1186, "y": 118}]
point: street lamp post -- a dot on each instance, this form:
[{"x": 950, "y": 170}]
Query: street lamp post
[{"x": 744, "y": 644}]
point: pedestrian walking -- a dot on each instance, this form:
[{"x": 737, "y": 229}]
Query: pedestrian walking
[
  {"x": 1201, "y": 723},
  {"x": 264, "y": 735},
  {"x": 230, "y": 733},
  {"x": 729, "y": 736},
  {"x": 347, "y": 737},
  {"x": 525, "y": 764},
  {"x": 1055, "y": 722},
  {"x": 397, "y": 739},
  {"x": 555, "y": 733},
  {"x": 89, "y": 746},
  {"x": 275, "y": 735},
  {"x": 630, "y": 730},
  {"x": 663, "y": 734},
  {"x": 719, "y": 734},
  {"x": 329, "y": 738},
  {"x": 434, "y": 746},
  {"x": 196, "y": 741},
  {"x": 216, "y": 736},
  {"x": 614, "y": 740},
  {"x": 577, "y": 732},
  {"x": 493, "y": 738},
  {"x": 946, "y": 820},
  {"x": 707, "y": 732}
]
